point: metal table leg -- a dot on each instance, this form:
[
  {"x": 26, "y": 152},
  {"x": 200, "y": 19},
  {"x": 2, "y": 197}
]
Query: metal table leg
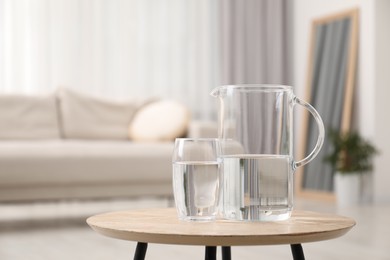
[
  {"x": 226, "y": 253},
  {"x": 211, "y": 253},
  {"x": 140, "y": 251},
  {"x": 297, "y": 252}
]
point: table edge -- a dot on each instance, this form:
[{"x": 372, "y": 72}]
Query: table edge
[{"x": 221, "y": 240}]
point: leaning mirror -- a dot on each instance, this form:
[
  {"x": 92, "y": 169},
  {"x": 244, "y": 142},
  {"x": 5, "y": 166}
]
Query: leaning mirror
[{"x": 330, "y": 82}]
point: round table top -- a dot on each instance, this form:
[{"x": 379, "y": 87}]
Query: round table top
[{"x": 161, "y": 225}]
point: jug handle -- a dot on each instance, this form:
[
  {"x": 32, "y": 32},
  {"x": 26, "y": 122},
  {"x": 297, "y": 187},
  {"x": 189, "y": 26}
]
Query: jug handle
[{"x": 321, "y": 132}]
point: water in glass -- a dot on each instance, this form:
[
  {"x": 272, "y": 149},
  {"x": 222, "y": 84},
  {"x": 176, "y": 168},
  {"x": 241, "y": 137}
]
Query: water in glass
[{"x": 196, "y": 188}]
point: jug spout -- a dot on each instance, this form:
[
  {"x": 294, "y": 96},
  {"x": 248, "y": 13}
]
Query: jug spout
[
  {"x": 219, "y": 91},
  {"x": 215, "y": 92}
]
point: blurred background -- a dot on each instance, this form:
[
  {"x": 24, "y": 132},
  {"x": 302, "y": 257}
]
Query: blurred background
[
  {"x": 133, "y": 48},
  {"x": 182, "y": 49}
]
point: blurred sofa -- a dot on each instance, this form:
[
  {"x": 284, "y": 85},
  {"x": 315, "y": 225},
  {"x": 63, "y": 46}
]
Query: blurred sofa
[{"x": 71, "y": 145}]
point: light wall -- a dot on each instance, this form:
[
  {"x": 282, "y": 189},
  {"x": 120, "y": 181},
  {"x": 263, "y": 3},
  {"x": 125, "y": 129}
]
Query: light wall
[
  {"x": 373, "y": 81},
  {"x": 382, "y": 104}
]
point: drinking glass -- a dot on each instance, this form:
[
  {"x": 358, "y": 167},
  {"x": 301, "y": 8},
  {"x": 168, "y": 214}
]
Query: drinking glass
[{"x": 196, "y": 167}]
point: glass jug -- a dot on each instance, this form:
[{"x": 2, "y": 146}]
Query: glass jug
[{"x": 255, "y": 127}]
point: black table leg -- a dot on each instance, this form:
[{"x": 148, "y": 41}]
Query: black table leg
[
  {"x": 226, "y": 253},
  {"x": 211, "y": 253},
  {"x": 140, "y": 251},
  {"x": 297, "y": 252}
]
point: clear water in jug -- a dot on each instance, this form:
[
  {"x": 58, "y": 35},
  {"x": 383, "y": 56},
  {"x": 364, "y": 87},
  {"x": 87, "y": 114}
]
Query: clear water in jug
[{"x": 256, "y": 134}]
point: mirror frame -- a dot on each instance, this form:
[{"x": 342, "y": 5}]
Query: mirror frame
[{"x": 346, "y": 113}]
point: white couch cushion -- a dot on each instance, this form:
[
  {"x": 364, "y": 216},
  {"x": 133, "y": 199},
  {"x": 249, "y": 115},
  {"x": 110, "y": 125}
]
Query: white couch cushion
[
  {"x": 28, "y": 117},
  {"x": 84, "y": 117},
  {"x": 162, "y": 120},
  {"x": 77, "y": 162}
]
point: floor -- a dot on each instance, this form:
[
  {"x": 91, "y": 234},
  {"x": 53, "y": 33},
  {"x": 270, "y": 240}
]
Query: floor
[{"x": 57, "y": 230}]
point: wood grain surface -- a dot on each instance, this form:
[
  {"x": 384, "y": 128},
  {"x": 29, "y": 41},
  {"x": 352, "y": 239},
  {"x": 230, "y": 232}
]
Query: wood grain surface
[{"x": 161, "y": 225}]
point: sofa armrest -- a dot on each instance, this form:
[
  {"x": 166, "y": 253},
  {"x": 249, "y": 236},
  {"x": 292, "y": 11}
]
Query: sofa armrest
[{"x": 203, "y": 129}]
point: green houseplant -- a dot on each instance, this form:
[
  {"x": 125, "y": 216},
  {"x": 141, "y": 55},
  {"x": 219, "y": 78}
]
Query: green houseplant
[
  {"x": 351, "y": 153},
  {"x": 351, "y": 156}
]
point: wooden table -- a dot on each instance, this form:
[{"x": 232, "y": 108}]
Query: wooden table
[{"x": 162, "y": 226}]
